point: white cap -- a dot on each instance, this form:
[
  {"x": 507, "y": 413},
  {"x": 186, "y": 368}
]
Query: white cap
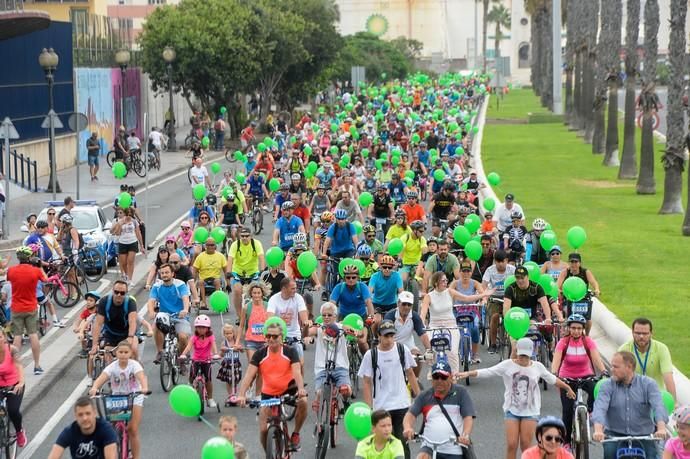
[
  {"x": 525, "y": 346},
  {"x": 406, "y": 297}
]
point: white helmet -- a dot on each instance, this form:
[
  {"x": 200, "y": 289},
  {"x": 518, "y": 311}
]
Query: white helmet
[
  {"x": 299, "y": 238},
  {"x": 539, "y": 224}
]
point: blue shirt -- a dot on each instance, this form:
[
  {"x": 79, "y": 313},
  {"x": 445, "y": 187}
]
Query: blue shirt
[
  {"x": 397, "y": 192},
  {"x": 423, "y": 156},
  {"x": 256, "y": 185},
  {"x": 287, "y": 230},
  {"x": 351, "y": 301},
  {"x": 249, "y": 165},
  {"x": 169, "y": 297},
  {"x": 386, "y": 288},
  {"x": 325, "y": 178},
  {"x": 195, "y": 211},
  {"x": 450, "y": 148},
  {"x": 341, "y": 240},
  {"x": 34, "y": 238}
]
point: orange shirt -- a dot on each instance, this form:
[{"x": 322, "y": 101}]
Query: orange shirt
[
  {"x": 487, "y": 226},
  {"x": 535, "y": 453},
  {"x": 413, "y": 213},
  {"x": 275, "y": 369}
]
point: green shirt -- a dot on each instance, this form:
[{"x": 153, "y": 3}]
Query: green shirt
[
  {"x": 433, "y": 264},
  {"x": 366, "y": 449},
  {"x": 657, "y": 358}
]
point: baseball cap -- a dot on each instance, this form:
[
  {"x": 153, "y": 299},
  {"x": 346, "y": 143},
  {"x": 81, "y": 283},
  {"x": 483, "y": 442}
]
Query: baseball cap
[
  {"x": 386, "y": 328},
  {"x": 443, "y": 368},
  {"x": 510, "y": 197},
  {"x": 521, "y": 271},
  {"x": 574, "y": 256},
  {"x": 473, "y": 172},
  {"x": 406, "y": 297},
  {"x": 556, "y": 248},
  {"x": 525, "y": 347},
  {"x": 465, "y": 265}
]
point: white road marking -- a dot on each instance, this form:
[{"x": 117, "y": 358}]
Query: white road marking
[
  {"x": 42, "y": 435},
  {"x": 169, "y": 229}
]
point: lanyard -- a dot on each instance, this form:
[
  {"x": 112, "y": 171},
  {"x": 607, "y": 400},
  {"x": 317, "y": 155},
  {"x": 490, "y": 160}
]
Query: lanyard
[{"x": 646, "y": 357}]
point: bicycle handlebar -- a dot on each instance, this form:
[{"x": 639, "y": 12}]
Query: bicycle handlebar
[
  {"x": 99, "y": 394},
  {"x": 418, "y": 438},
  {"x": 630, "y": 438},
  {"x": 287, "y": 399}
]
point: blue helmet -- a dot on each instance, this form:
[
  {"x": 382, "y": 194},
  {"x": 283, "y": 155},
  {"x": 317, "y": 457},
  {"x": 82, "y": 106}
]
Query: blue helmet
[
  {"x": 364, "y": 251},
  {"x": 94, "y": 294},
  {"x": 550, "y": 421},
  {"x": 576, "y": 319},
  {"x": 340, "y": 214}
]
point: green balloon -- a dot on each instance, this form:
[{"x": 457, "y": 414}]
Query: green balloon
[
  {"x": 439, "y": 175},
  {"x": 344, "y": 262},
  {"x": 597, "y": 387},
  {"x": 353, "y": 321},
  {"x": 237, "y": 155},
  {"x": 219, "y": 301},
  {"x": 261, "y": 147},
  {"x": 360, "y": 266},
  {"x": 548, "y": 239},
  {"x": 358, "y": 420},
  {"x": 346, "y": 159},
  {"x": 472, "y": 223},
  {"x": 395, "y": 246},
  {"x": 408, "y": 181},
  {"x": 199, "y": 191},
  {"x": 493, "y": 178},
  {"x": 475, "y": 130},
  {"x": 533, "y": 270},
  {"x": 365, "y": 199},
  {"x": 343, "y": 164},
  {"x": 307, "y": 263},
  {"x": 461, "y": 235},
  {"x": 119, "y": 170},
  {"x": 218, "y": 448},
  {"x": 184, "y": 401},
  {"x": 574, "y": 288},
  {"x": 545, "y": 281},
  {"x": 205, "y": 141},
  {"x": 379, "y": 164},
  {"x": 489, "y": 204},
  {"x": 308, "y": 173},
  {"x": 383, "y": 156},
  {"x": 274, "y": 257},
  {"x": 124, "y": 200},
  {"x": 268, "y": 141},
  {"x": 223, "y": 110},
  {"x": 200, "y": 235},
  {"x": 516, "y": 322},
  {"x": 274, "y": 184},
  {"x": 509, "y": 281},
  {"x": 669, "y": 402},
  {"x": 215, "y": 168},
  {"x": 241, "y": 178},
  {"x": 473, "y": 250},
  {"x": 319, "y": 320},
  {"x": 312, "y": 166},
  {"x": 333, "y": 149},
  {"x": 415, "y": 138},
  {"x": 365, "y": 152},
  {"x": 576, "y": 237},
  {"x": 409, "y": 174},
  {"x": 218, "y": 234},
  {"x": 358, "y": 227},
  {"x": 334, "y": 127}
]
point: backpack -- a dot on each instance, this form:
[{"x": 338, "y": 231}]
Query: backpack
[
  {"x": 108, "y": 304},
  {"x": 374, "y": 363}
]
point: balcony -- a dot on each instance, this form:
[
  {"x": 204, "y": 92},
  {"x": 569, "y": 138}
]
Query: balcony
[{"x": 15, "y": 21}]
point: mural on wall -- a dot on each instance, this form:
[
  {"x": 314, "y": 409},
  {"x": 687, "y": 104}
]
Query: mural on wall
[
  {"x": 132, "y": 101},
  {"x": 95, "y": 100}
]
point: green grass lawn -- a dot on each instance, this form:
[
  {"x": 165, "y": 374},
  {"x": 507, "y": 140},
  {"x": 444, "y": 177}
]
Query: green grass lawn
[
  {"x": 515, "y": 105},
  {"x": 637, "y": 255}
]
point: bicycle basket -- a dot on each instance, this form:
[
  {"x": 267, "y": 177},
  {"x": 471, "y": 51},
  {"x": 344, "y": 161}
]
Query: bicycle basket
[
  {"x": 630, "y": 452},
  {"x": 464, "y": 318},
  {"x": 440, "y": 341},
  {"x": 117, "y": 407}
]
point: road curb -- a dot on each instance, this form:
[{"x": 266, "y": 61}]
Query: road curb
[{"x": 615, "y": 331}]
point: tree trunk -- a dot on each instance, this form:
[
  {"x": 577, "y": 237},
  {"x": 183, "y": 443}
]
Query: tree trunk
[
  {"x": 628, "y": 166},
  {"x": 485, "y": 22},
  {"x": 686, "y": 221},
  {"x": 569, "y": 63},
  {"x": 535, "y": 63},
  {"x": 599, "y": 133},
  {"x": 577, "y": 123},
  {"x": 592, "y": 28},
  {"x": 547, "y": 39},
  {"x": 646, "y": 183},
  {"x": 601, "y": 80},
  {"x": 613, "y": 45},
  {"x": 675, "y": 138},
  {"x": 611, "y": 156}
]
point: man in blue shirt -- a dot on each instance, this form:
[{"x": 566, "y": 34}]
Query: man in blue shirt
[
  {"x": 353, "y": 297},
  {"x": 423, "y": 154},
  {"x": 286, "y": 227},
  {"x": 280, "y": 199},
  {"x": 452, "y": 146},
  {"x": 256, "y": 187},
  {"x": 197, "y": 209},
  {"x": 46, "y": 253},
  {"x": 341, "y": 237},
  {"x": 385, "y": 285},
  {"x": 172, "y": 297}
]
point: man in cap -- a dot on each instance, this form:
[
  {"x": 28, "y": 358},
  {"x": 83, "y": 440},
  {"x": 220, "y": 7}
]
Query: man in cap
[
  {"x": 407, "y": 324},
  {"x": 505, "y": 210}
]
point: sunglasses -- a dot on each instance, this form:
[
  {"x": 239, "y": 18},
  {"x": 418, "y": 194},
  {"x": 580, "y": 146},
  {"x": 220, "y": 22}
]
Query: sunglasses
[
  {"x": 174, "y": 262},
  {"x": 466, "y": 270},
  {"x": 486, "y": 245},
  {"x": 120, "y": 292},
  {"x": 439, "y": 376},
  {"x": 184, "y": 228},
  {"x": 270, "y": 336},
  {"x": 203, "y": 218},
  {"x": 51, "y": 213},
  {"x": 386, "y": 267},
  {"x": 210, "y": 245},
  {"x": 245, "y": 236},
  {"x": 351, "y": 277},
  {"x": 407, "y": 305},
  {"x": 552, "y": 438},
  {"x": 328, "y": 315}
]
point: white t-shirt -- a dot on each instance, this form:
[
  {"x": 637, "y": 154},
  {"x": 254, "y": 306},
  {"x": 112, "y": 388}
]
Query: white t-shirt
[
  {"x": 522, "y": 396},
  {"x": 341, "y": 360},
  {"x": 128, "y": 234},
  {"x": 133, "y": 142},
  {"x": 391, "y": 391},
  {"x": 123, "y": 380},
  {"x": 502, "y": 215},
  {"x": 496, "y": 280},
  {"x": 198, "y": 173},
  {"x": 288, "y": 310},
  {"x": 156, "y": 139}
]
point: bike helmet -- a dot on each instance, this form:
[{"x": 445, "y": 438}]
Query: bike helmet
[
  {"x": 202, "y": 321},
  {"x": 387, "y": 260},
  {"x": 299, "y": 238},
  {"x": 340, "y": 214},
  {"x": 516, "y": 215},
  {"x": 287, "y": 205},
  {"x": 273, "y": 321},
  {"x": 284, "y": 187},
  {"x": 163, "y": 323},
  {"x": 364, "y": 251},
  {"x": 41, "y": 224},
  {"x": 231, "y": 197},
  {"x": 24, "y": 253},
  {"x": 368, "y": 229},
  {"x": 549, "y": 421},
  {"x": 93, "y": 294},
  {"x": 539, "y": 224},
  {"x": 449, "y": 186},
  {"x": 351, "y": 269},
  {"x": 464, "y": 210},
  {"x": 35, "y": 247},
  {"x": 417, "y": 225},
  {"x": 327, "y": 217},
  {"x": 422, "y": 144},
  {"x": 211, "y": 199},
  {"x": 438, "y": 162},
  {"x": 395, "y": 177},
  {"x": 296, "y": 177},
  {"x": 185, "y": 224},
  {"x": 67, "y": 218},
  {"x": 576, "y": 319},
  {"x": 321, "y": 186},
  {"x": 399, "y": 213},
  {"x": 411, "y": 195},
  {"x": 250, "y": 155},
  {"x": 381, "y": 187},
  {"x": 682, "y": 414}
]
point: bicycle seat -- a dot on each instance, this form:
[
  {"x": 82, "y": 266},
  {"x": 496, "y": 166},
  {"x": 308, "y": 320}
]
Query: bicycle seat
[
  {"x": 534, "y": 335},
  {"x": 441, "y": 343},
  {"x": 464, "y": 317}
]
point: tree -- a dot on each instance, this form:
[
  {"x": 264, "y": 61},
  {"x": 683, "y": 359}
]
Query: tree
[
  {"x": 649, "y": 100},
  {"x": 570, "y": 60},
  {"x": 673, "y": 157},
  {"x": 613, "y": 79},
  {"x": 500, "y": 17},
  {"x": 628, "y": 166},
  {"x": 590, "y": 24},
  {"x": 485, "y": 24},
  {"x": 602, "y": 73},
  {"x": 411, "y": 48}
]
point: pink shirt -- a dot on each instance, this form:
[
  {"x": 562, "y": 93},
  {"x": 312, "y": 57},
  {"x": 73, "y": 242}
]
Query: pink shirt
[
  {"x": 675, "y": 447},
  {"x": 8, "y": 372},
  {"x": 535, "y": 453},
  {"x": 201, "y": 348},
  {"x": 576, "y": 363},
  {"x": 255, "y": 323}
]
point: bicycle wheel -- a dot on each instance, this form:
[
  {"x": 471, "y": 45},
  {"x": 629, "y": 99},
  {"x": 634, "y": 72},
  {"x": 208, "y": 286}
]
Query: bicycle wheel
[
  {"x": 110, "y": 158},
  {"x": 97, "y": 367},
  {"x": 199, "y": 387},
  {"x": 355, "y": 360},
  {"x": 544, "y": 359},
  {"x": 92, "y": 263},
  {"x": 189, "y": 174},
  {"x": 322, "y": 424},
  {"x": 504, "y": 351},
  {"x": 166, "y": 372},
  {"x": 122, "y": 445},
  {"x": 69, "y": 297},
  {"x": 467, "y": 350},
  {"x": 9, "y": 442},
  {"x": 42, "y": 320},
  {"x": 139, "y": 167},
  {"x": 188, "y": 141},
  {"x": 274, "y": 443},
  {"x": 230, "y": 155},
  {"x": 581, "y": 440},
  {"x": 413, "y": 287},
  {"x": 257, "y": 220},
  {"x": 335, "y": 416}
]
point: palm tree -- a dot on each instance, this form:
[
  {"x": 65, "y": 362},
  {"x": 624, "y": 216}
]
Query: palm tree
[
  {"x": 601, "y": 74},
  {"x": 546, "y": 33},
  {"x": 569, "y": 10},
  {"x": 536, "y": 77},
  {"x": 579, "y": 45},
  {"x": 613, "y": 79},
  {"x": 500, "y": 17},
  {"x": 628, "y": 166},
  {"x": 649, "y": 101},
  {"x": 590, "y": 28},
  {"x": 485, "y": 24},
  {"x": 675, "y": 137}
]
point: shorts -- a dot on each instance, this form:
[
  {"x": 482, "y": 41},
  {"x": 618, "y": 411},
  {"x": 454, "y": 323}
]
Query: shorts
[
  {"x": 24, "y": 321},
  {"x": 408, "y": 269},
  {"x": 492, "y": 308},
  {"x": 428, "y": 450},
  {"x": 341, "y": 316},
  {"x": 254, "y": 345},
  {"x": 340, "y": 374},
  {"x": 203, "y": 368},
  {"x": 244, "y": 143},
  {"x": 436, "y": 221},
  {"x": 93, "y": 160},
  {"x": 124, "y": 249},
  {"x": 182, "y": 326},
  {"x": 384, "y": 308},
  {"x": 237, "y": 279},
  {"x": 296, "y": 344},
  {"x": 112, "y": 340},
  {"x": 290, "y": 390},
  {"x": 515, "y": 417},
  {"x": 138, "y": 400}
]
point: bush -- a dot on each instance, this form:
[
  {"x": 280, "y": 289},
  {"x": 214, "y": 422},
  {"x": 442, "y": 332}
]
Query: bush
[{"x": 663, "y": 74}]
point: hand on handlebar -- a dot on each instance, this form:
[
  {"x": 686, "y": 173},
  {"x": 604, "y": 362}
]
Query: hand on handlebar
[
  {"x": 598, "y": 436},
  {"x": 408, "y": 434},
  {"x": 241, "y": 400}
]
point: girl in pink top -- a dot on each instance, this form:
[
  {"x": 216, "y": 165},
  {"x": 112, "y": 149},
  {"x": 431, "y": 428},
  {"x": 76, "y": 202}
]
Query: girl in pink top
[
  {"x": 576, "y": 357},
  {"x": 252, "y": 318},
  {"x": 203, "y": 348},
  {"x": 550, "y": 435},
  {"x": 12, "y": 378},
  {"x": 679, "y": 447}
]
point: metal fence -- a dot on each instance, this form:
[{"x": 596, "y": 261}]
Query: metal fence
[
  {"x": 11, "y": 5},
  {"x": 96, "y": 39}
]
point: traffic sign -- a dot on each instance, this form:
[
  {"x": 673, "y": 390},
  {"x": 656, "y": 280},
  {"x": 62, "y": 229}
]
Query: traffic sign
[
  {"x": 77, "y": 122},
  {"x": 57, "y": 124},
  {"x": 8, "y": 130}
]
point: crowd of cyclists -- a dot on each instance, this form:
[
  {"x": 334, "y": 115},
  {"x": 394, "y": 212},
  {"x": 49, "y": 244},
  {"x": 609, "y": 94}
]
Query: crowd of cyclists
[{"x": 375, "y": 188}]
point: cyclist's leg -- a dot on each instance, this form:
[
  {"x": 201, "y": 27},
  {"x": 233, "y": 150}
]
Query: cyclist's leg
[
  {"x": 567, "y": 406},
  {"x": 319, "y": 380},
  {"x": 527, "y": 428},
  {"x": 184, "y": 330},
  {"x": 494, "y": 315},
  {"x": 14, "y": 402},
  {"x": 397, "y": 421},
  {"x": 263, "y": 427},
  {"x": 209, "y": 379},
  {"x": 236, "y": 294},
  {"x": 133, "y": 426},
  {"x": 474, "y": 333}
]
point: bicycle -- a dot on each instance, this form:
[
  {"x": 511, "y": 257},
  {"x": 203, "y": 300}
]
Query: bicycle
[
  {"x": 199, "y": 383},
  {"x": 354, "y": 359},
  {"x": 581, "y": 434},
  {"x": 440, "y": 342},
  {"x": 332, "y": 274},
  {"x": 626, "y": 450},
  {"x": 326, "y": 428},
  {"x": 502, "y": 339},
  {"x": 117, "y": 409},
  {"x": 8, "y": 440},
  {"x": 435, "y": 445},
  {"x": 43, "y": 323},
  {"x": 99, "y": 363},
  {"x": 191, "y": 138},
  {"x": 381, "y": 224},
  {"x": 541, "y": 348},
  {"x": 169, "y": 364},
  {"x": 277, "y": 436},
  {"x": 464, "y": 317},
  {"x": 132, "y": 161},
  {"x": 91, "y": 261},
  {"x": 257, "y": 215},
  {"x": 65, "y": 293}
]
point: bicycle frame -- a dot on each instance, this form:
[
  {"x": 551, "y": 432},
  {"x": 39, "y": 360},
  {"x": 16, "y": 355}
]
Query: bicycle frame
[
  {"x": 580, "y": 435},
  {"x": 277, "y": 423},
  {"x": 329, "y": 408},
  {"x": 435, "y": 445},
  {"x": 117, "y": 409},
  {"x": 8, "y": 441}
]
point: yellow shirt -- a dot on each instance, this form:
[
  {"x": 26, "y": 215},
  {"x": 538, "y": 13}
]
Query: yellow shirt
[
  {"x": 246, "y": 262},
  {"x": 397, "y": 231},
  {"x": 657, "y": 359},
  {"x": 412, "y": 250},
  {"x": 210, "y": 266}
]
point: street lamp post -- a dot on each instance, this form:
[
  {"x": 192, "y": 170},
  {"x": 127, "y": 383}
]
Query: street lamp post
[
  {"x": 122, "y": 59},
  {"x": 169, "y": 57},
  {"x": 48, "y": 60}
]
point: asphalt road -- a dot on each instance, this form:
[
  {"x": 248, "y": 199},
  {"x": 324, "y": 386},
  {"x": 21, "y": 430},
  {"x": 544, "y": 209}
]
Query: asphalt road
[{"x": 164, "y": 434}]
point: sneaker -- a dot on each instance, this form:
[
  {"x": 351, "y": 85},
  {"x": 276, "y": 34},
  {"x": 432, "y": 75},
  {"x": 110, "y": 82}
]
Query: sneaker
[
  {"x": 38, "y": 371},
  {"x": 21, "y": 439},
  {"x": 295, "y": 441},
  {"x": 492, "y": 349},
  {"x": 324, "y": 296},
  {"x": 157, "y": 360},
  {"x": 59, "y": 324},
  {"x": 476, "y": 360},
  {"x": 83, "y": 354},
  {"x": 212, "y": 403}
]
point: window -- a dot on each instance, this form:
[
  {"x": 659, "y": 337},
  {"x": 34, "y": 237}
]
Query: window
[{"x": 157, "y": 2}]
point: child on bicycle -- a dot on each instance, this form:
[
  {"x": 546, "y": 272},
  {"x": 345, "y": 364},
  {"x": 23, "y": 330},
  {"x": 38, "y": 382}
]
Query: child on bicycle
[
  {"x": 228, "y": 429},
  {"x": 203, "y": 345},
  {"x": 83, "y": 326},
  {"x": 126, "y": 376},
  {"x": 230, "y": 368}
]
